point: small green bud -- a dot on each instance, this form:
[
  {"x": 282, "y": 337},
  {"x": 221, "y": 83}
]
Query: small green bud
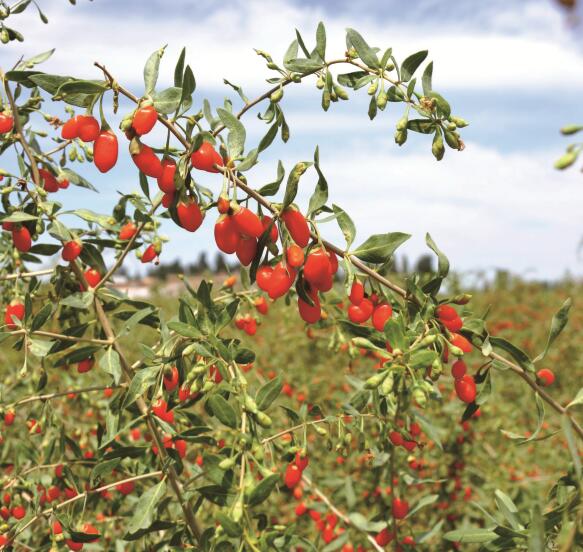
[
  {"x": 340, "y": 92},
  {"x": 456, "y": 351},
  {"x": 566, "y": 160},
  {"x": 277, "y": 95},
  {"x": 321, "y": 430},
  {"x": 272, "y": 65},
  {"x": 251, "y": 405},
  {"x": 419, "y": 397},
  {"x": 227, "y": 463},
  {"x": 263, "y": 419},
  {"x": 326, "y": 100},
  {"x": 571, "y": 129},
  {"x": 437, "y": 148},
  {"x": 372, "y": 89},
  {"x": 459, "y": 122},
  {"x": 382, "y": 100},
  {"x": 401, "y": 137},
  {"x": 374, "y": 381},
  {"x": 320, "y": 83},
  {"x": 452, "y": 139}
]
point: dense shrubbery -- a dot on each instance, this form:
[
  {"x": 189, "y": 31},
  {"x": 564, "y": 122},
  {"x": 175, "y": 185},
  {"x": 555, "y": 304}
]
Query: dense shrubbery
[{"x": 155, "y": 424}]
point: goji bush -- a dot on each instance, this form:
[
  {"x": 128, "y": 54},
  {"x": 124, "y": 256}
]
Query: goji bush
[{"x": 133, "y": 425}]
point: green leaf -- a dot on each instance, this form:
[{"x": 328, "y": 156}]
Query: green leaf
[
  {"x": 168, "y": 101},
  {"x": 411, "y": 64},
  {"x": 379, "y": 248},
  {"x": 425, "y": 501},
  {"x": 141, "y": 382},
  {"x": 442, "y": 261},
  {"x": 263, "y": 490},
  {"x": 471, "y": 535},
  {"x": 81, "y": 87},
  {"x": 321, "y": 41},
  {"x": 346, "y": 225},
  {"x": 223, "y": 410},
  {"x": 110, "y": 363},
  {"x": 536, "y": 531},
  {"x": 424, "y": 126},
  {"x": 508, "y": 508},
  {"x": 77, "y": 179},
  {"x": 41, "y": 317},
  {"x": 320, "y": 195},
  {"x": 303, "y": 66},
  {"x": 179, "y": 69},
  {"x": 364, "y": 51},
  {"x": 443, "y": 106},
  {"x": 578, "y": 400},
  {"x": 356, "y": 79},
  {"x": 151, "y": 71},
  {"x": 145, "y": 506},
  {"x": 19, "y": 216},
  {"x": 49, "y": 83},
  {"x": 78, "y": 300},
  {"x": 360, "y": 522},
  {"x": 268, "y": 393},
  {"x": 291, "y": 188},
  {"x": 273, "y": 187},
  {"x": 571, "y": 443},
  {"x": 237, "y": 134},
  {"x": 232, "y": 528},
  {"x": 427, "y": 78},
  {"x": 558, "y": 323},
  {"x": 517, "y": 354}
]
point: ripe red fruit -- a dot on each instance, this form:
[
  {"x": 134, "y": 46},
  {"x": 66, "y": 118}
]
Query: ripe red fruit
[
  {"x": 263, "y": 277},
  {"x": 160, "y": 409},
  {"x": 149, "y": 254},
  {"x": 400, "y": 508},
  {"x": 21, "y": 239},
  {"x": 71, "y": 250},
  {"x": 310, "y": 313},
  {"x": 317, "y": 268},
  {"x": 294, "y": 256},
  {"x": 88, "y": 128},
  {"x": 93, "y": 277},
  {"x": 384, "y": 537},
  {"x": 356, "y": 293},
  {"x": 461, "y": 342},
  {"x": 180, "y": 446},
  {"x": 167, "y": 200},
  {"x": 53, "y": 493},
  {"x": 546, "y": 376},
  {"x": 281, "y": 280},
  {"x": 246, "y": 250},
  {"x": 380, "y": 316},
  {"x": 415, "y": 429},
  {"x": 458, "y": 369},
  {"x": 70, "y": 129},
  {"x": 63, "y": 182},
  {"x": 127, "y": 231},
  {"x": 57, "y": 527},
  {"x": 293, "y": 475},
  {"x": 446, "y": 312},
  {"x": 247, "y": 222},
  {"x": 301, "y": 509},
  {"x": 171, "y": 379},
  {"x": 215, "y": 374},
  {"x": 396, "y": 438},
  {"x": 261, "y": 305},
  {"x": 50, "y": 183},
  {"x": 301, "y": 461},
  {"x": 9, "y": 420},
  {"x": 189, "y": 215},
  {"x": 8, "y": 226},
  {"x": 360, "y": 313},
  {"x": 205, "y": 157},
  {"x": 147, "y": 161},
  {"x": 296, "y": 225},
  {"x": 166, "y": 179},
  {"x": 144, "y": 119},
  {"x": 226, "y": 234},
  {"x": 125, "y": 488},
  {"x": 408, "y": 540},
  {"x": 453, "y": 325},
  {"x": 250, "y": 327},
  {"x": 465, "y": 388},
  {"x": 18, "y": 512},
  {"x": 16, "y": 309},
  {"x": 6, "y": 122},
  {"x": 105, "y": 150},
  {"x": 85, "y": 365},
  {"x": 273, "y": 232}
]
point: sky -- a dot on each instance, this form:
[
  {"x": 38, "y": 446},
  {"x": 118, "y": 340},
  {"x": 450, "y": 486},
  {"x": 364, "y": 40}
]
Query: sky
[{"x": 513, "y": 69}]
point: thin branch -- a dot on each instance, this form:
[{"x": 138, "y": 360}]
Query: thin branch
[
  {"x": 18, "y": 275},
  {"x": 339, "y": 513},
  {"x": 50, "y": 396}
]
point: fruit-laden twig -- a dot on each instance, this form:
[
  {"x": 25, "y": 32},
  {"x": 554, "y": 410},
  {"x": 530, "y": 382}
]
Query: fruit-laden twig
[
  {"x": 84, "y": 494},
  {"x": 338, "y": 512}
]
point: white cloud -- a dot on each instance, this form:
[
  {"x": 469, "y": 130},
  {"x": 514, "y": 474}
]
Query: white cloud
[{"x": 523, "y": 45}]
